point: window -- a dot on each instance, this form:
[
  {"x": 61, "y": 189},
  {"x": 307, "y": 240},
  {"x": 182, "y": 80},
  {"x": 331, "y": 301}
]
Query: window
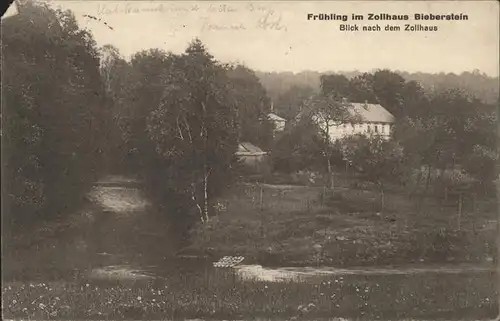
[
  {"x": 376, "y": 128},
  {"x": 369, "y": 128},
  {"x": 383, "y": 129}
]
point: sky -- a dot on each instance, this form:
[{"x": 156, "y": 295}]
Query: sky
[{"x": 277, "y": 36}]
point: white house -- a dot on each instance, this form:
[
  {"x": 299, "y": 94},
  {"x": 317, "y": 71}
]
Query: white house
[{"x": 373, "y": 120}]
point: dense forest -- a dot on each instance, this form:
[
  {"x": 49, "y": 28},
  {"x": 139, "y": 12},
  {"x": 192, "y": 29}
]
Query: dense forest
[
  {"x": 54, "y": 115},
  {"x": 172, "y": 119},
  {"x": 481, "y": 85}
]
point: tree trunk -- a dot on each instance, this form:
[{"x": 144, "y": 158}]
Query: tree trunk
[
  {"x": 329, "y": 155},
  {"x": 424, "y": 194},
  {"x": 428, "y": 179},
  {"x": 331, "y": 174},
  {"x": 205, "y": 194},
  {"x": 205, "y": 167},
  {"x": 193, "y": 197}
]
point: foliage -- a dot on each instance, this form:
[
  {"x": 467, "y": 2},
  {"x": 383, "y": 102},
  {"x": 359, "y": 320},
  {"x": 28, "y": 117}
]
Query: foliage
[
  {"x": 327, "y": 111},
  {"x": 194, "y": 126},
  {"x": 383, "y": 87},
  {"x": 289, "y": 104},
  {"x": 377, "y": 159},
  {"x": 117, "y": 76},
  {"x": 440, "y": 129},
  {"x": 456, "y": 130},
  {"x": 252, "y": 106},
  {"x": 417, "y": 137},
  {"x": 300, "y": 147},
  {"x": 54, "y": 126},
  {"x": 149, "y": 72},
  {"x": 388, "y": 88},
  {"x": 484, "y": 87},
  {"x": 338, "y": 85}
]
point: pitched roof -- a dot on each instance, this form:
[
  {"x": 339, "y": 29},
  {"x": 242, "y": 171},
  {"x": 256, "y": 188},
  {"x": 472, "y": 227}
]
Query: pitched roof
[
  {"x": 275, "y": 117},
  {"x": 372, "y": 113},
  {"x": 248, "y": 149}
]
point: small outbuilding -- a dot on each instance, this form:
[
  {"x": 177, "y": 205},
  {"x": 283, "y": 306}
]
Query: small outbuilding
[{"x": 252, "y": 157}]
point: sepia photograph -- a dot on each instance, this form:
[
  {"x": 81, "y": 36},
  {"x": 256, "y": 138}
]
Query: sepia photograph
[{"x": 250, "y": 160}]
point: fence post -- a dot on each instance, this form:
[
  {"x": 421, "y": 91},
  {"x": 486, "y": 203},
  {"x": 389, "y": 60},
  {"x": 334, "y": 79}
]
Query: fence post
[
  {"x": 233, "y": 274},
  {"x": 459, "y": 210}
]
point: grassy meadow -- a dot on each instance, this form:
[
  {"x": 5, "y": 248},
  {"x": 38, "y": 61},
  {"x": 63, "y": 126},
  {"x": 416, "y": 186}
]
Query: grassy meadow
[{"x": 289, "y": 224}]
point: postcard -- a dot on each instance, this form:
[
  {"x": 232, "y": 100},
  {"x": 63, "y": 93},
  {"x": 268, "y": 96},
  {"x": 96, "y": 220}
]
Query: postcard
[{"x": 250, "y": 160}]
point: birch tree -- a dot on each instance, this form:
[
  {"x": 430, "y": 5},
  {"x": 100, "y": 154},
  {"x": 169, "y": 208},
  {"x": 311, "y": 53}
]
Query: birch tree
[{"x": 194, "y": 128}]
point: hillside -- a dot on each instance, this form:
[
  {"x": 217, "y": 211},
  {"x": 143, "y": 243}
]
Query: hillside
[{"x": 481, "y": 85}]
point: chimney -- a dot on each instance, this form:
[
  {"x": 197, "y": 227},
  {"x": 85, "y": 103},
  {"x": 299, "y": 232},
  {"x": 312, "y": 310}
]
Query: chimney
[{"x": 272, "y": 106}]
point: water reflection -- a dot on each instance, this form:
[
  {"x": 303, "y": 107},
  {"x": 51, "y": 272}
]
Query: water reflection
[
  {"x": 118, "y": 273},
  {"x": 260, "y": 273},
  {"x": 119, "y": 199}
]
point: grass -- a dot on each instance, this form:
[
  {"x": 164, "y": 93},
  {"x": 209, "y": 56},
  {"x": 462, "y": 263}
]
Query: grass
[
  {"x": 223, "y": 297},
  {"x": 300, "y": 225}
]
